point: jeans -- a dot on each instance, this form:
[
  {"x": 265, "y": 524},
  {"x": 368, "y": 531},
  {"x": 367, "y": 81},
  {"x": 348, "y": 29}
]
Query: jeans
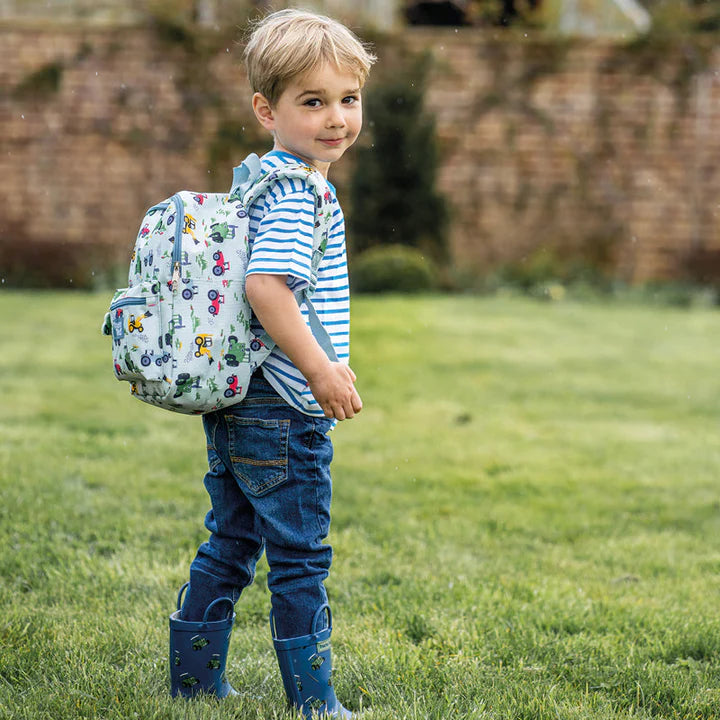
[{"x": 270, "y": 488}]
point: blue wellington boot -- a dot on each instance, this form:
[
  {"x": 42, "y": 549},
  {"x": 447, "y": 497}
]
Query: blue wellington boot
[
  {"x": 306, "y": 669},
  {"x": 198, "y": 652}
]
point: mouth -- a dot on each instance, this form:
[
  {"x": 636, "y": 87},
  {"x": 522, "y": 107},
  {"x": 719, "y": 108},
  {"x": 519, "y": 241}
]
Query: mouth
[{"x": 331, "y": 142}]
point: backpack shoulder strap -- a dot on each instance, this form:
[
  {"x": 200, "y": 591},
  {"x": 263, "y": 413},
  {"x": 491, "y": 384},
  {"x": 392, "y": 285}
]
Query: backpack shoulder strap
[
  {"x": 245, "y": 176},
  {"x": 318, "y": 329},
  {"x": 252, "y": 183},
  {"x": 249, "y": 182}
]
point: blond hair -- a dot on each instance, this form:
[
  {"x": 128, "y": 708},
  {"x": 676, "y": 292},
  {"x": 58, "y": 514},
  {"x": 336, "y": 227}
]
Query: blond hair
[{"x": 290, "y": 43}]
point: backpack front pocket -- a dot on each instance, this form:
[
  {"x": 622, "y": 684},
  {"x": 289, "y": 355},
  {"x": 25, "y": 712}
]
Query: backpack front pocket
[{"x": 135, "y": 325}]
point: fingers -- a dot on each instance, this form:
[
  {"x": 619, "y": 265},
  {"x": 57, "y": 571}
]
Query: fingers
[
  {"x": 338, "y": 412},
  {"x": 344, "y": 410},
  {"x": 351, "y": 408},
  {"x": 337, "y": 396},
  {"x": 356, "y": 402}
]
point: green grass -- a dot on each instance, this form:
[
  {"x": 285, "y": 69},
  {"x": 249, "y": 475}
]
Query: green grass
[{"x": 526, "y": 519}]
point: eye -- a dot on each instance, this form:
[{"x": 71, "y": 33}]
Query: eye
[
  {"x": 351, "y": 99},
  {"x": 313, "y": 102}
]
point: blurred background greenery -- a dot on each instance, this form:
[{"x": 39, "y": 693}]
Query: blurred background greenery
[{"x": 555, "y": 147}]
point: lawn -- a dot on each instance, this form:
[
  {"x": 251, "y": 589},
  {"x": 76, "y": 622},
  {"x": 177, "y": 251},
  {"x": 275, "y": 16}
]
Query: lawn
[{"x": 526, "y": 519}]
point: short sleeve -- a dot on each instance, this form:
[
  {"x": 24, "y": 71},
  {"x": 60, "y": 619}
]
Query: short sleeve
[{"x": 283, "y": 243}]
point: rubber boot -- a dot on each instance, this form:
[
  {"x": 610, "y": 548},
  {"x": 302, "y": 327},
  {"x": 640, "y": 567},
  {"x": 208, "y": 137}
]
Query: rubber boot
[
  {"x": 306, "y": 669},
  {"x": 198, "y": 652}
]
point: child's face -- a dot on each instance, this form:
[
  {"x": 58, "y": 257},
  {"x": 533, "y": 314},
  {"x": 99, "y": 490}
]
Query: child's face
[{"x": 317, "y": 117}]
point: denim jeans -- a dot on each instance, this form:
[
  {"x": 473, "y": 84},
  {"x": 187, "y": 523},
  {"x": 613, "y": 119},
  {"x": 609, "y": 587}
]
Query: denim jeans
[{"x": 270, "y": 488}]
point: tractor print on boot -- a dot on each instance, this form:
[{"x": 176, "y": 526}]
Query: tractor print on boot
[
  {"x": 306, "y": 668},
  {"x": 198, "y": 652}
]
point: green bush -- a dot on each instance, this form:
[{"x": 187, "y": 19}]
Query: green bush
[
  {"x": 393, "y": 187},
  {"x": 41, "y": 83},
  {"x": 392, "y": 268},
  {"x": 26, "y": 262}
]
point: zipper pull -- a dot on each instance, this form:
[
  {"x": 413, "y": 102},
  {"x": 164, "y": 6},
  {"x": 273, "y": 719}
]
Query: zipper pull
[{"x": 176, "y": 275}]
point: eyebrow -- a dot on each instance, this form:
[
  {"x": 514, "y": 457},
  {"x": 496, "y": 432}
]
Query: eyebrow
[{"x": 322, "y": 92}]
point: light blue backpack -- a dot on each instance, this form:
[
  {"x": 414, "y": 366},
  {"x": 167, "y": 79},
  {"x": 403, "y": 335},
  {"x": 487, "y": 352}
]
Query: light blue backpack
[{"x": 181, "y": 332}]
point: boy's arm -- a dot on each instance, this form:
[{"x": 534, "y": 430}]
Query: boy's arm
[{"x": 331, "y": 383}]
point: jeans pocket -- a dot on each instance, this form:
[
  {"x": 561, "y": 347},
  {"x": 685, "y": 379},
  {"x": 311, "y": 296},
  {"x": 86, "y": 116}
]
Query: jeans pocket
[{"x": 258, "y": 452}]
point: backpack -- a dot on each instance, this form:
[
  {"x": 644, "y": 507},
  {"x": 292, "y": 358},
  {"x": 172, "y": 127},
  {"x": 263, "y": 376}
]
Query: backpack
[{"x": 181, "y": 330}]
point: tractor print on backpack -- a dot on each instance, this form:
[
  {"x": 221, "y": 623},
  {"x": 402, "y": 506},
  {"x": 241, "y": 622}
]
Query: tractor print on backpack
[
  {"x": 118, "y": 326},
  {"x": 233, "y": 387},
  {"x": 222, "y": 231},
  {"x": 236, "y": 352},
  {"x": 221, "y": 265}
]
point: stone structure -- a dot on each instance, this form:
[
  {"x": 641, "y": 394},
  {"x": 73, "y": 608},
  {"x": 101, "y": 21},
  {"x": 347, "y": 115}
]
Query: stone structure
[{"x": 591, "y": 149}]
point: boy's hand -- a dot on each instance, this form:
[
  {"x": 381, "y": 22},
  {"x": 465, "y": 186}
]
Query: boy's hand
[
  {"x": 331, "y": 383},
  {"x": 335, "y": 392}
]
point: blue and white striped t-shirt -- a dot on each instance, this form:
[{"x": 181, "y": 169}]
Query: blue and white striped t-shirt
[{"x": 281, "y": 237}]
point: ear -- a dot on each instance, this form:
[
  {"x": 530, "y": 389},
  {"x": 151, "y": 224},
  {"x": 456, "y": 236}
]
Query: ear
[{"x": 263, "y": 111}]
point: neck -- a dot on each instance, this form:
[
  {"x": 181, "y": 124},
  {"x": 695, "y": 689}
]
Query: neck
[{"x": 322, "y": 168}]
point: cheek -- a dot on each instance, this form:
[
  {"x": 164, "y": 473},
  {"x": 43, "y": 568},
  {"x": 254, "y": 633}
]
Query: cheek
[{"x": 309, "y": 124}]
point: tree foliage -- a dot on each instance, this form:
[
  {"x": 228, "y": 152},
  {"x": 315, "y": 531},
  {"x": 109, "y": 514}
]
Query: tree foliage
[
  {"x": 393, "y": 194},
  {"x": 684, "y": 16}
]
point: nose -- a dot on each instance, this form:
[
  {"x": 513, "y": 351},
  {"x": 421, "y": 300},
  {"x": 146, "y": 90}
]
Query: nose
[{"x": 336, "y": 117}]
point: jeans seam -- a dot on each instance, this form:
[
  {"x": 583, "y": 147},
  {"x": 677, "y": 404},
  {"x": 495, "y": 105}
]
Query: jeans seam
[
  {"x": 259, "y": 463},
  {"x": 259, "y": 401},
  {"x": 211, "y": 445},
  {"x": 316, "y": 480},
  {"x": 214, "y": 432}
]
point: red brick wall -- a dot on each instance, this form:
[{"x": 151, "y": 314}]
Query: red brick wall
[
  {"x": 614, "y": 148},
  {"x": 81, "y": 163},
  {"x": 576, "y": 145}
]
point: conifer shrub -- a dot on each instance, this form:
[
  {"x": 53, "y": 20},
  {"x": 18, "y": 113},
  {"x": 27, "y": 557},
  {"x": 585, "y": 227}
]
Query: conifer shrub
[
  {"x": 392, "y": 268},
  {"x": 393, "y": 198},
  {"x": 26, "y": 262}
]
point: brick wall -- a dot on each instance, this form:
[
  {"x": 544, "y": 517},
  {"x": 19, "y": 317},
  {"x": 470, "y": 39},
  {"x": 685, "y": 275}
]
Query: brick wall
[
  {"x": 128, "y": 124},
  {"x": 614, "y": 148},
  {"x": 586, "y": 147}
]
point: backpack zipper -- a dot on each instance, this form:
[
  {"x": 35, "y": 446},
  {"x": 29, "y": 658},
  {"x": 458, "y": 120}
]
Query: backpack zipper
[{"x": 177, "y": 244}]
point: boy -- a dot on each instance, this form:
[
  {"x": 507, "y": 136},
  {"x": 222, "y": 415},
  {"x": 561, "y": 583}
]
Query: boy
[{"x": 269, "y": 456}]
